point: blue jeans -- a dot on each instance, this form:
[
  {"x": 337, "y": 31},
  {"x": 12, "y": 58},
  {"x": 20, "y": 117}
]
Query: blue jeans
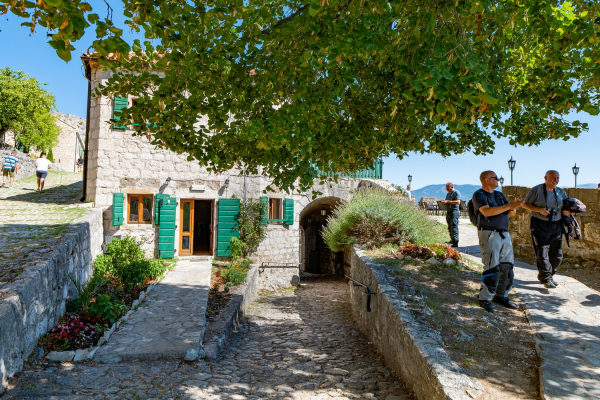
[{"x": 452, "y": 221}]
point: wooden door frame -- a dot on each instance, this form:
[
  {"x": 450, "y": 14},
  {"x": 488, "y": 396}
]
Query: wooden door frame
[{"x": 190, "y": 252}]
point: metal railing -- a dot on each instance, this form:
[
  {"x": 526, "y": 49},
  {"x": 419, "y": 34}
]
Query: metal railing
[{"x": 368, "y": 291}]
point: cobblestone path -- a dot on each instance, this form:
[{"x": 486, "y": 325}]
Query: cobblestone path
[
  {"x": 29, "y": 220},
  {"x": 295, "y": 344}
]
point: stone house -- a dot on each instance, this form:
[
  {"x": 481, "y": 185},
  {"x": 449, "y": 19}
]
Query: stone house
[
  {"x": 183, "y": 210},
  {"x": 71, "y": 141}
]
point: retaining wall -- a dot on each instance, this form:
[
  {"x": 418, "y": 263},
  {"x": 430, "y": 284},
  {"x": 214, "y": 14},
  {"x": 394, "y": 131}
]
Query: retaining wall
[
  {"x": 414, "y": 352},
  {"x": 36, "y": 299},
  {"x": 586, "y": 250}
]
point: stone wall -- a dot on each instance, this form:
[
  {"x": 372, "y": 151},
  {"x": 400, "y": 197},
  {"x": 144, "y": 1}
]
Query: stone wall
[
  {"x": 414, "y": 352},
  {"x": 26, "y": 164},
  {"x": 66, "y": 152},
  {"x": 586, "y": 250},
  {"x": 36, "y": 299}
]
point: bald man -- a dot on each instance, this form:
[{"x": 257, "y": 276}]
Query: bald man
[
  {"x": 452, "y": 204},
  {"x": 545, "y": 202},
  {"x": 493, "y": 210}
]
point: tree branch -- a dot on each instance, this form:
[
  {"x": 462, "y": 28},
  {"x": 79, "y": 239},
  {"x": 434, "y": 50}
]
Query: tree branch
[{"x": 286, "y": 19}]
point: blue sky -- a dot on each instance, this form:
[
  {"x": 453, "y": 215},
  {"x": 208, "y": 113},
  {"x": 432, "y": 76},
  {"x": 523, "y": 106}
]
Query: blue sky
[{"x": 21, "y": 51}]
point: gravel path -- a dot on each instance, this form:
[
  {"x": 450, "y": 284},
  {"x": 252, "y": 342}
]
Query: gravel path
[{"x": 295, "y": 344}]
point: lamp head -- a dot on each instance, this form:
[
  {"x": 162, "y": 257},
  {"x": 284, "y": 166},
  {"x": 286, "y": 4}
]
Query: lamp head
[
  {"x": 511, "y": 163},
  {"x": 501, "y": 180},
  {"x": 227, "y": 183},
  {"x": 575, "y": 169}
]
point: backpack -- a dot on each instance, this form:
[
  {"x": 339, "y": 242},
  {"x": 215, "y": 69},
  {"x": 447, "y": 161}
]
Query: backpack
[{"x": 473, "y": 215}]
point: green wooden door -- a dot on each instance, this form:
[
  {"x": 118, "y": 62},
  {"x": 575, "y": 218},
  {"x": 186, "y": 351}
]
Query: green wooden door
[
  {"x": 227, "y": 225},
  {"x": 166, "y": 228}
]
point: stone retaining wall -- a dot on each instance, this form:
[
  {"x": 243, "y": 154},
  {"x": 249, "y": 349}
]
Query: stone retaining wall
[
  {"x": 36, "y": 299},
  {"x": 414, "y": 352},
  {"x": 26, "y": 164},
  {"x": 587, "y": 249}
]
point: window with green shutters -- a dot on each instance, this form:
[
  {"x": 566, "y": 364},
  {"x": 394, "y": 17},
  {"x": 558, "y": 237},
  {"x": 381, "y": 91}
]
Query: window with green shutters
[
  {"x": 167, "y": 210},
  {"x": 119, "y": 103},
  {"x": 276, "y": 212},
  {"x": 117, "y": 209},
  {"x": 227, "y": 225}
]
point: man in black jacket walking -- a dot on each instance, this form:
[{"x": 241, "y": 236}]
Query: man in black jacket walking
[{"x": 545, "y": 201}]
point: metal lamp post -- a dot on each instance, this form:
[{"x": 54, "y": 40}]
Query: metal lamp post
[
  {"x": 501, "y": 180},
  {"x": 575, "y": 172},
  {"x": 511, "y": 165}
]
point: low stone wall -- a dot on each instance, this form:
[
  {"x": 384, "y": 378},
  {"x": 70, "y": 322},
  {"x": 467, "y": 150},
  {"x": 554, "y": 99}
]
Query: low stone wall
[
  {"x": 26, "y": 164},
  {"x": 36, "y": 299},
  {"x": 587, "y": 250},
  {"x": 277, "y": 278},
  {"x": 414, "y": 352}
]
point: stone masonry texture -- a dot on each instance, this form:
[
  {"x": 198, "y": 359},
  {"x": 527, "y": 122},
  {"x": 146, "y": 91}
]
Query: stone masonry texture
[
  {"x": 412, "y": 350},
  {"x": 44, "y": 246},
  {"x": 294, "y": 344},
  {"x": 66, "y": 150},
  {"x": 587, "y": 249}
]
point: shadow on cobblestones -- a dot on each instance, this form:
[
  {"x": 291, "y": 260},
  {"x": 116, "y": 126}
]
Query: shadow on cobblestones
[
  {"x": 53, "y": 195},
  {"x": 294, "y": 344}
]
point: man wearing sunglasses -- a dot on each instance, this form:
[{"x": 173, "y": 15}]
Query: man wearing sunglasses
[{"x": 493, "y": 210}]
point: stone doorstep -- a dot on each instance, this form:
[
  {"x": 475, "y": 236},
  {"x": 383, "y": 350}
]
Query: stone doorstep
[{"x": 90, "y": 352}]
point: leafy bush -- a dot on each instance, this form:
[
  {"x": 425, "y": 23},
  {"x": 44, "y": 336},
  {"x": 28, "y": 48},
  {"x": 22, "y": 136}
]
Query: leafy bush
[
  {"x": 135, "y": 273},
  {"x": 251, "y": 226},
  {"x": 439, "y": 251},
  {"x": 103, "y": 266},
  {"x": 123, "y": 251},
  {"x": 237, "y": 271},
  {"x": 237, "y": 247},
  {"x": 374, "y": 217},
  {"x": 86, "y": 292},
  {"x": 108, "y": 308}
]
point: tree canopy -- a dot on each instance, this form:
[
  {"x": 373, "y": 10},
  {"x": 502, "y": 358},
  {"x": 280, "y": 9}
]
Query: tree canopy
[
  {"x": 298, "y": 86},
  {"x": 25, "y": 110}
]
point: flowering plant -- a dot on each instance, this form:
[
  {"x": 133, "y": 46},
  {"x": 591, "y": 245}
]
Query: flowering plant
[
  {"x": 439, "y": 251},
  {"x": 74, "y": 332}
]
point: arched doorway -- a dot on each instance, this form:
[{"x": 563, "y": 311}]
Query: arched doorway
[{"x": 317, "y": 258}]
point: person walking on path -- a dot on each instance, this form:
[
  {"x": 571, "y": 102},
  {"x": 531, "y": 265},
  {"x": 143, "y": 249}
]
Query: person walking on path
[
  {"x": 452, "y": 204},
  {"x": 545, "y": 201},
  {"x": 408, "y": 194},
  {"x": 41, "y": 170},
  {"x": 79, "y": 164},
  {"x": 10, "y": 167},
  {"x": 493, "y": 210}
]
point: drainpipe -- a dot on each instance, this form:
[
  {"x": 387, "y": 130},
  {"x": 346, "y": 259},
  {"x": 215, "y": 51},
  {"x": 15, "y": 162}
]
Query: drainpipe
[{"x": 88, "y": 76}]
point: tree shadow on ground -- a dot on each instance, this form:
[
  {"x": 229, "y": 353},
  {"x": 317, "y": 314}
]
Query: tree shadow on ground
[{"x": 63, "y": 194}]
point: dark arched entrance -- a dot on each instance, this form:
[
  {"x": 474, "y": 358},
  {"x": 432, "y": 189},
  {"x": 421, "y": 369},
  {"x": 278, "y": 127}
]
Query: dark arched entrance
[{"x": 316, "y": 256}]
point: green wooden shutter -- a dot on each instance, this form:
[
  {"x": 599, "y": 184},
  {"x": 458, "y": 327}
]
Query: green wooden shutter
[
  {"x": 119, "y": 103},
  {"x": 166, "y": 229},
  {"x": 265, "y": 212},
  {"x": 288, "y": 211},
  {"x": 227, "y": 225},
  {"x": 157, "y": 199},
  {"x": 117, "y": 209}
]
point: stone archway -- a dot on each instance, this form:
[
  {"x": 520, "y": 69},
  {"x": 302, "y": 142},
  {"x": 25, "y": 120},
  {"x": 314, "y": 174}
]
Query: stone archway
[{"x": 317, "y": 258}]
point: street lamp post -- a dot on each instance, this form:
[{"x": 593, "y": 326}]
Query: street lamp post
[
  {"x": 511, "y": 165},
  {"x": 575, "y": 172},
  {"x": 501, "y": 180}
]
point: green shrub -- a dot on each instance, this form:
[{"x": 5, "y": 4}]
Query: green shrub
[
  {"x": 135, "y": 273},
  {"x": 124, "y": 251},
  {"x": 251, "y": 224},
  {"x": 237, "y": 247},
  {"x": 103, "y": 266},
  {"x": 374, "y": 217},
  {"x": 108, "y": 308},
  {"x": 237, "y": 271},
  {"x": 86, "y": 291}
]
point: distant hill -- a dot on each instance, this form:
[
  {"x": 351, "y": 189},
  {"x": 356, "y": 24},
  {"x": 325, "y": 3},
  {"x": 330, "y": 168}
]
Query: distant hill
[
  {"x": 586, "y": 185},
  {"x": 439, "y": 191}
]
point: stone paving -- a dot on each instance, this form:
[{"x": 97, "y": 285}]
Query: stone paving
[
  {"x": 170, "y": 323},
  {"x": 30, "y": 222},
  {"x": 294, "y": 344},
  {"x": 567, "y": 322}
]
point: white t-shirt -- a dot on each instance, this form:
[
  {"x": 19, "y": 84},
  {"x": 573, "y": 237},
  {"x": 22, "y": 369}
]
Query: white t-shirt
[
  {"x": 408, "y": 195},
  {"x": 42, "y": 164}
]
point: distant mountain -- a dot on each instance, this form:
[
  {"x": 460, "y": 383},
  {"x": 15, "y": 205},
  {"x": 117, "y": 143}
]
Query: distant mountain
[
  {"x": 586, "y": 185},
  {"x": 439, "y": 191}
]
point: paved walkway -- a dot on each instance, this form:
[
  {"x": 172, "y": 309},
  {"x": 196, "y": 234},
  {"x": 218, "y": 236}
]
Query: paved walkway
[
  {"x": 30, "y": 222},
  {"x": 567, "y": 322},
  {"x": 170, "y": 323},
  {"x": 295, "y": 344}
]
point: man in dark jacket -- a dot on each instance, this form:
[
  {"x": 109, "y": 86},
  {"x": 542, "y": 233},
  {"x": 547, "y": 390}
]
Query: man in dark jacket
[
  {"x": 452, "y": 204},
  {"x": 545, "y": 201}
]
